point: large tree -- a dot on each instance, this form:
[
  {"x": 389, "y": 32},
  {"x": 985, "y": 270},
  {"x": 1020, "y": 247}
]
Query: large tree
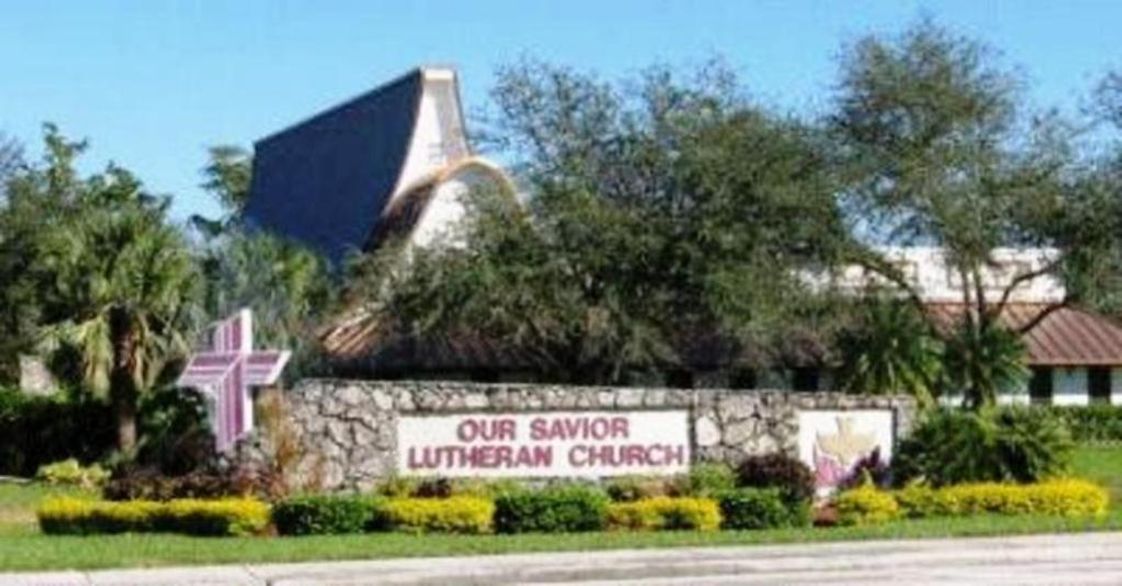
[
  {"x": 34, "y": 198},
  {"x": 939, "y": 150},
  {"x": 113, "y": 283},
  {"x": 658, "y": 211}
]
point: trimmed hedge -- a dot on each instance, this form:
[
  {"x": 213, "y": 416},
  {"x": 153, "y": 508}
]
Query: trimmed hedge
[
  {"x": 1060, "y": 497},
  {"x": 1063, "y": 497},
  {"x": 457, "y": 514},
  {"x": 558, "y": 509},
  {"x": 762, "y": 508},
  {"x": 192, "y": 517},
  {"x": 866, "y": 505},
  {"x": 1094, "y": 424},
  {"x": 322, "y": 515},
  {"x": 665, "y": 513}
]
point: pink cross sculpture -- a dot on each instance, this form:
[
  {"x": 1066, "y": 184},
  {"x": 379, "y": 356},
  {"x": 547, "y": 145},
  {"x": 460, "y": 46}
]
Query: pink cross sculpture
[{"x": 226, "y": 372}]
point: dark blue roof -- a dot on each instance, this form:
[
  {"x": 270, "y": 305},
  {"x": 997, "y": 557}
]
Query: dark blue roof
[{"x": 325, "y": 181}]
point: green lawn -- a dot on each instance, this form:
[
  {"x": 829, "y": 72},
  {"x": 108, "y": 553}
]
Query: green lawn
[
  {"x": 22, "y": 547},
  {"x": 1103, "y": 465}
]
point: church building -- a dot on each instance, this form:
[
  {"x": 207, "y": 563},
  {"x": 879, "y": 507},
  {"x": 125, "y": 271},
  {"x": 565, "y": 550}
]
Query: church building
[
  {"x": 390, "y": 162},
  {"x": 394, "y": 163}
]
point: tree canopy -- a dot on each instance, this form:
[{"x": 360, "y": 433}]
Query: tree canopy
[{"x": 658, "y": 212}]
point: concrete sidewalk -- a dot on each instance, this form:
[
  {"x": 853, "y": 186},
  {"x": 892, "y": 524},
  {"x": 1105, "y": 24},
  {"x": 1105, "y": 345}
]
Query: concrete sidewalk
[{"x": 1094, "y": 558}]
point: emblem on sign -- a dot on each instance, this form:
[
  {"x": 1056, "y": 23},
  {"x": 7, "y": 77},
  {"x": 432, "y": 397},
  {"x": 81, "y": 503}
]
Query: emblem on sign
[{"x": 226, "y": 372}]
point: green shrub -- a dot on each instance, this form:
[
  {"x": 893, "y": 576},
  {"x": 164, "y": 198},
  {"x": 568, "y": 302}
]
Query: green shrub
[
  {"x": 37, "y": 430},
  {"x": 322, "y": 515},
  {"x": 918, "y": 501},
  {"x": 556, "y": 509},
  {"x": 1091, "y": 423},
  {"x": 665, "y": 513},
  {"x": 192, "y": 517},
  {"x": 1064, "y": 497},
  {"x": 457, "y": 514},
  {"x": 709, "y": 479},
  {"x": 866, "y": 505},
  {"x": 1059, "y": 497},
  {"x": 626, "y": 489},
  {"x": 761, "y": 508},
  {"x": 213, "y": 518},
  {"x": 793, "y": 478},
  {"x": 71, "y": 473},
  {"x": 1017, "y": 444}
]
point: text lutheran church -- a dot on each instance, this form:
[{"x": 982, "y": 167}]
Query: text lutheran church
[{"x": 395, "y": 162}]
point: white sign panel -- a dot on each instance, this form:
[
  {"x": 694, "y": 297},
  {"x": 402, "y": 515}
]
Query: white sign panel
[
  {"x": 833, "y": 442},
  {"x": 554, "y": 444}
]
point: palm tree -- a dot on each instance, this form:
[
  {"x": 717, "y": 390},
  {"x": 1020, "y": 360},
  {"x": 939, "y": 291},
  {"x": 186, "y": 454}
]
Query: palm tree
[
  {"x": 890, "y": 351},
  {"x": 982, "y": 362},
  {"x": 124, "y": 292}
]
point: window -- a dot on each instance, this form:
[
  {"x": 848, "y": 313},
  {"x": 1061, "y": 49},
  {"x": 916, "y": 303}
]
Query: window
[
  {"x": 1040, "y": 386},
  {"x": 1098, "y": 385},
  {"x": 805, "y": 379}
]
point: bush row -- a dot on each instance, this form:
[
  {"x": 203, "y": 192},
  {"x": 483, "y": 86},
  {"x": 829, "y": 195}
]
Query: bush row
[
  {"x": 1092, "y": 423},
  {"x": 1064, "y": 497},
  {"x": 665, "y": 513},
  {"x": 557, "y": 509},
  {"x": 192, "y": 517}
]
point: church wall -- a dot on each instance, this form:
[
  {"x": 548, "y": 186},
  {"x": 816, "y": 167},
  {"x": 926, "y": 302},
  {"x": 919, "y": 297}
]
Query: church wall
[
  {"x": 437, "y": 138},
  {"x": 347, "y": 429}
]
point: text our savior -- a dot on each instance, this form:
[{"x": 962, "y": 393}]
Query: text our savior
[{"x": 544, "y": 444}]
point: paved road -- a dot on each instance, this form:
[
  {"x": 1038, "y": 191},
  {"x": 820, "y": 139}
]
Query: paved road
[{"x": 1033, "y": 560}]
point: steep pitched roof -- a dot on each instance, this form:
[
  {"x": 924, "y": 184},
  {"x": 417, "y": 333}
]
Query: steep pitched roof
[{"x": 325, "y": 181}]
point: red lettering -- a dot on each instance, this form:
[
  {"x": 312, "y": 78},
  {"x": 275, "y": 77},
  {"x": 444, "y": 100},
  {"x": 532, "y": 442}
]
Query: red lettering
[
  {"x": 538, "y": 429},
  {"x": 490, "y": 430},
  {"x": 620, "y": 427},
  {"x": 578, "y": 456},
  {"x": 543, "y": 456},
  {"x": 467, "y": 430}
]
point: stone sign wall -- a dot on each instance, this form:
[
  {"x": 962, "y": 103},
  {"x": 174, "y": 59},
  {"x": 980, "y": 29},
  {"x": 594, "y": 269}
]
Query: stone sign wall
[{"x": 351, "y": 433}]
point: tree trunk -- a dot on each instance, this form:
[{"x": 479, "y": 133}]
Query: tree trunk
[
  {"x": 126, "y": 424},
  {"x": 123, "y": 391}
]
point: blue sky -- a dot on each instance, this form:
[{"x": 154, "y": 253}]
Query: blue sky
[{"x": 152, "y": 83}]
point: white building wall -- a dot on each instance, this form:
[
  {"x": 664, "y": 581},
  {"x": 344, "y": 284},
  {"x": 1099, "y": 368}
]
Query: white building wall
[
  {"x": 1116, "y": 386},
  {"x": 438, "y": 137},
  {"x": 1017, "y": 397},
  {"x": 926, "y": 269},
  {"x": 445, "y": 212},
  {"x": 1069, "y": 386}
]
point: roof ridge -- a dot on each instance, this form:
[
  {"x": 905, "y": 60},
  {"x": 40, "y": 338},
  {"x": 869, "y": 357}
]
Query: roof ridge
[{"x": 416, "y": 71}]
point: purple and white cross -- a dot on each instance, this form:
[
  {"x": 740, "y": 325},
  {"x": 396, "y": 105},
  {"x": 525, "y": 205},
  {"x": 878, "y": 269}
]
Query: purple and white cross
[{"x": 226, "y": 372}]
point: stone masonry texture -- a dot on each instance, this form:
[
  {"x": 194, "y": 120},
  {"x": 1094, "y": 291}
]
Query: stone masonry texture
[{"x": 346, "y": 429}]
